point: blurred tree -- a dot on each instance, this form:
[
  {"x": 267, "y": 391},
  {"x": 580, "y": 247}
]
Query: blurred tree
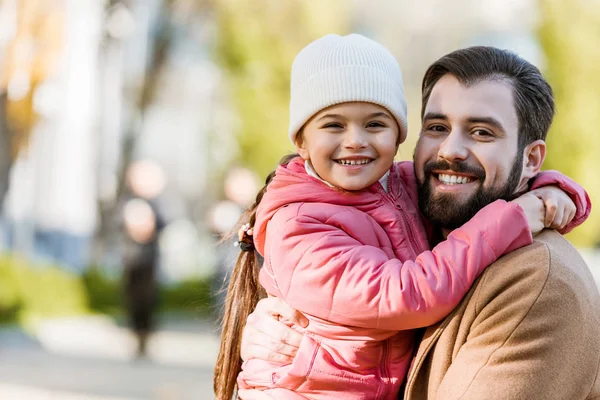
[
  {"x": 570, "y": 36},
  {"x": 31, "y": 57},
  {"x": 138, "y": 96},
  {"x": 256, "y": 44}
]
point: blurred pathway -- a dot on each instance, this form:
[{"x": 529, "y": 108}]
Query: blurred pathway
[{"x": 92, "y": 359}]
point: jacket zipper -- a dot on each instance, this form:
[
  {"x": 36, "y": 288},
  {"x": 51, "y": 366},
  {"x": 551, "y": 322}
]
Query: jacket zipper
[
  {"x": 411, "y": 237},
  {"x": 385, "y": 371},
  {"x": 407, "y": 225}
]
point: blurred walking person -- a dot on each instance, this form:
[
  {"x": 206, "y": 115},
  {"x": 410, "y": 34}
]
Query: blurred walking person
[{"x": 142, "y": 227}]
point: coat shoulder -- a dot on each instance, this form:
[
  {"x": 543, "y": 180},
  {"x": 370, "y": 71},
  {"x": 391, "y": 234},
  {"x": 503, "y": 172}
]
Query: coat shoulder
[{"x": 550, "y": 265}]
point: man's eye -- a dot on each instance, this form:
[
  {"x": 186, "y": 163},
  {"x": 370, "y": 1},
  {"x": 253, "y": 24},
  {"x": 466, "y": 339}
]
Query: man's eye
[
  {"x": 482, "y": 133},
  {"x": 437, "y": 128}
]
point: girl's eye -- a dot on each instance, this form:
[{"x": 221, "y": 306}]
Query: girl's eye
[
  {"x": 375, "y": 124},
  {"x": 333, "y": 125}
]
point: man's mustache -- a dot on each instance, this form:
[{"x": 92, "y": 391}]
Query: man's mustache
[{"x": 459, "y": 167}]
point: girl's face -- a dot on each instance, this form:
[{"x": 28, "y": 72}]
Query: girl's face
[{"x": 350, "y": 145}]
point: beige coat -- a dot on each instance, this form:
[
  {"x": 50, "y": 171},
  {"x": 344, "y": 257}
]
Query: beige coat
[{"x": 528, "y": 329}]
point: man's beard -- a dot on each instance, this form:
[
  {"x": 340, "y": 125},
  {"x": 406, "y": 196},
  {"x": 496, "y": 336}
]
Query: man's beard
[{"x": 445, "y": 211}]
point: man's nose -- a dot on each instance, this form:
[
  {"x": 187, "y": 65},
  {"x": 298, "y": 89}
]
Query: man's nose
[
  {"x": 453, "y": 148},
  {"x": 355, "y": 138}
]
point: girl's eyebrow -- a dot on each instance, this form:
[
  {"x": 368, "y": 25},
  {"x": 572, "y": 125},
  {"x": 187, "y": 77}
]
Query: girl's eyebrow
[
  {"x": 380, "y": 114},
  {"x": 336, "y": 116}
]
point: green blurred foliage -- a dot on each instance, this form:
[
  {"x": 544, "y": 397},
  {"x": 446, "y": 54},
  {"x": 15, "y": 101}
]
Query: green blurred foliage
[
  {"x": 105, "y": 295},
  {"x": 570, "y": 36},
  {"x": 256, "y": 44},
  {"x": 28, "y": 292},
  {"x": 31, "y": 292}
]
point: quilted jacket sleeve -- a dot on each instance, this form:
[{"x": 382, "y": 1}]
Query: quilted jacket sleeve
[
  {"x": 570, "y": 187},
  {"x": 321, "y": 270}
]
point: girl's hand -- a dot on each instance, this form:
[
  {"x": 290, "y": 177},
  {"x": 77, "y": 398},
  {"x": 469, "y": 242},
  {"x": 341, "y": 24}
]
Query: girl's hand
[
  {"x": 560, "y": 209},
  {"x": 534, "y": 210},
  {"x": 266, "y": 337}
]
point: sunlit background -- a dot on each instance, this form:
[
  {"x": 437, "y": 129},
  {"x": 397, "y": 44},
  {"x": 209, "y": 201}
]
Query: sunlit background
[{"x": 128, "y": 122}]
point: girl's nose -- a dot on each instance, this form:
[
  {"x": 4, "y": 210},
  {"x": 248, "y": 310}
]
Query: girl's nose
[{"x": 355, "y": 138}]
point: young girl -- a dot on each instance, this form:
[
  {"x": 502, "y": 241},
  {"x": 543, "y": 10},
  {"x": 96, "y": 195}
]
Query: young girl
[{"x": 343, "y": 241}]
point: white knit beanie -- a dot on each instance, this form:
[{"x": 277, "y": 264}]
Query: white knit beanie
[{"x": 338, "y": 69}]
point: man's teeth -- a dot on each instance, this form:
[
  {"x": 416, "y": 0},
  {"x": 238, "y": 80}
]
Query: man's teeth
[
  {"x": 453, "y": 179},
  {"x": 354, "y": 162}
]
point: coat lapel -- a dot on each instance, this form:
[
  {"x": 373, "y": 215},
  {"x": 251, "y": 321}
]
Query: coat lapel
[{"x": 430, "y": 337}]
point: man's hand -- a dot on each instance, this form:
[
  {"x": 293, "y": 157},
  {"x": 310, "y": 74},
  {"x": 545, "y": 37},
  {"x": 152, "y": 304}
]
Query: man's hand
[
  {"x": 268, "y": 338},
  {"x": 560, "y": 209}
]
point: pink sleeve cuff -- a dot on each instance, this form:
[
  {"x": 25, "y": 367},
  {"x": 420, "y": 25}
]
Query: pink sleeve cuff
[{"x": 575, "y": 191}]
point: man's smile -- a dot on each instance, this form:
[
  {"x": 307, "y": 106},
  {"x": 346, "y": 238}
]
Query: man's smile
[
  {"x": 452, "y": 178},
  {"x": 450, "y": 181}
]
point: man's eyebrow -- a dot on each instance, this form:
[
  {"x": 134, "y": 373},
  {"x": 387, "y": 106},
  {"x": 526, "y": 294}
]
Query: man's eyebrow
[
  {"x": 432, "y": 115},
  {"x": 486, "y": 120}
]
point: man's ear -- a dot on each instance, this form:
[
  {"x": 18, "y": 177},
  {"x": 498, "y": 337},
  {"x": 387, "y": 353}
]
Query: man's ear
[{"x": 533, "y": 158}]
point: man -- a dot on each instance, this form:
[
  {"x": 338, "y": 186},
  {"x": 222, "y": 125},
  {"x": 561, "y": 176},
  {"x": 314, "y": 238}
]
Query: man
[{"x": 529, "y": 328}]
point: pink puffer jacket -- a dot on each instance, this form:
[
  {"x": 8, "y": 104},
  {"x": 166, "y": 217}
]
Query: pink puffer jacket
[{"x": 358, "y": 265}]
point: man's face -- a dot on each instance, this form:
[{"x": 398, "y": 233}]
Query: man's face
[{"x": 467, "y": 154}]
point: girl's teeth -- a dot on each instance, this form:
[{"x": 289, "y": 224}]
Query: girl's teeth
[{"x": 354, "y": 162}]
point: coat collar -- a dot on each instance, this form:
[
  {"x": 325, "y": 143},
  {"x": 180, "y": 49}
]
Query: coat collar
[{"x": 430, "y": 337}]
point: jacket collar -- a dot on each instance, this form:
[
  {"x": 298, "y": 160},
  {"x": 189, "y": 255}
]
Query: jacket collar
[{"x": 293, "y": 184}]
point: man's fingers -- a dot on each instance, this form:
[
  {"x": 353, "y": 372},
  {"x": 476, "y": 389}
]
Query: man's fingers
[
  {"x": 269, "y": 339},
  {"x": 254, "y": 395},
  {"x": 278, "y": 307},
  {"x": 253, "y": 337},
  {"x": 274, "y": 330},
  {"x": 267, "y": 354},
  {"x": 284, "y": 348}
]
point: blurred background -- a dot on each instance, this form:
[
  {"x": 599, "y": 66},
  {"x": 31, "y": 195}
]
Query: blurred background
[{"x": 133, "y": 133}]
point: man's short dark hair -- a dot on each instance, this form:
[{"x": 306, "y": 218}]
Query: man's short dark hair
[{"x": 534, "y": 101}]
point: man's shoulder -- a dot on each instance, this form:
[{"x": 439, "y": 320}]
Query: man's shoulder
[
  {"x": 549, "y": 254},
  {"x": 550, "y": 264}
]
